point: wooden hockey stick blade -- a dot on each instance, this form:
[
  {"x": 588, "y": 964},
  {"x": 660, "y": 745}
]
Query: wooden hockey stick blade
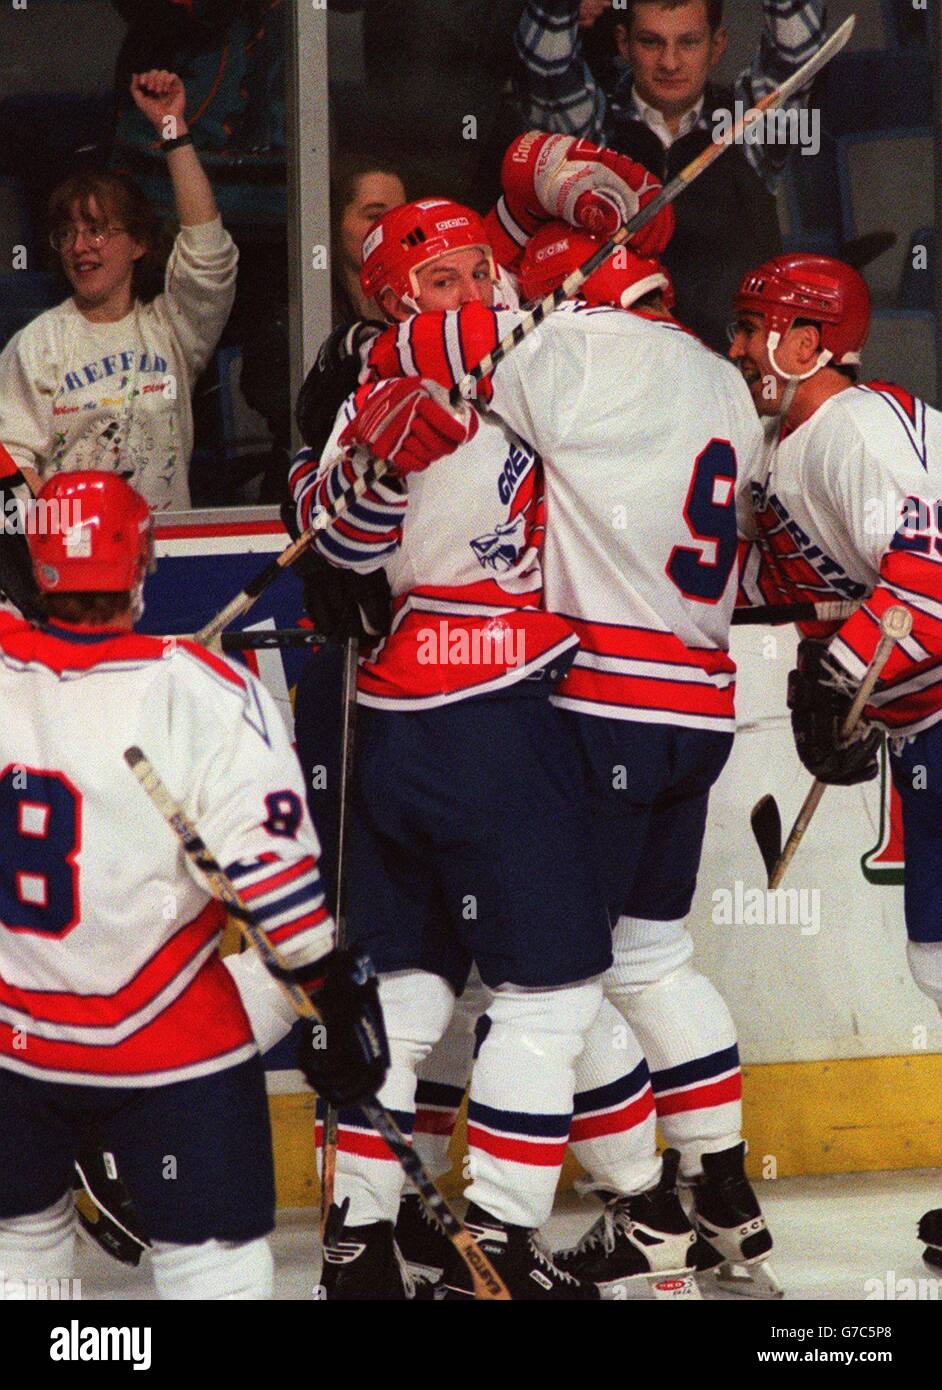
[
  {"x": 487, "y": 1283},
  {"x": 466, "y": 387},
  {"x": 895, "y": 626},
  {"x": 827, "y": 611},
  {"x": 766, "y": 825}
]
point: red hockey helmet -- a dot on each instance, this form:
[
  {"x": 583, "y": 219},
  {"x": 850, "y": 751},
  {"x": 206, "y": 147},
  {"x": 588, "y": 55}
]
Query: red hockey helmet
[
  {"x": 557, "y": 249},
  {"x": 805, "y": 286},
  {"x": 92, "y": 533},
  {"x": 408, "y": 237}
]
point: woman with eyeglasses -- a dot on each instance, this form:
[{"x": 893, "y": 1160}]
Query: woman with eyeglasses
[{"x": 104, "y": 379}]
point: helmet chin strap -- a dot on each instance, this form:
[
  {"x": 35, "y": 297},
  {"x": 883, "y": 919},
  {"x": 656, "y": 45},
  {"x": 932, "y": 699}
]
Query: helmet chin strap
[{"x": 773, "y": 341}]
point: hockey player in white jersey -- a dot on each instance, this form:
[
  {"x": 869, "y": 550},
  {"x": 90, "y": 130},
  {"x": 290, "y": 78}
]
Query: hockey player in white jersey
[
  {"x": 849, "y": 506},
  {"x": 641, "y": 430},
  {"x": 417, "y": 253},
  {"x": 116, "y": 1012}
]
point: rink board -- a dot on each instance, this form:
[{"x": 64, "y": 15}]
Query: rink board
[{"x": 843, "y": 1070}]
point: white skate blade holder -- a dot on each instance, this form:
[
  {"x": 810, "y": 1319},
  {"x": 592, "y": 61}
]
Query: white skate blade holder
[
  {"x": 748, "y": 1281},
  {"x": 660, "y": 1287}
]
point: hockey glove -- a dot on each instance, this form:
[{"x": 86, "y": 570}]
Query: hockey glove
[
  {"x": 819, "y": 696},
  {"x": 409, "y": 423},
  {"x": 546, "y": 176},
  {"x": 345, "y": 1057},
  {"x": 334, "y": 376},
  {"x": 339, "y": 602},
  {"x": 17, "y": 581}
]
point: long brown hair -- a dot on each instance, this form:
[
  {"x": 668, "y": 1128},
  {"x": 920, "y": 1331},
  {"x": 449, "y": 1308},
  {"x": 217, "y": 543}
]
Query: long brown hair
[{"x": 121, "y": 199}]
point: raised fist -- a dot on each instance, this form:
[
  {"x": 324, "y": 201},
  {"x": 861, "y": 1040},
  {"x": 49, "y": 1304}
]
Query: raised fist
[{"x": 161, "y": 96}]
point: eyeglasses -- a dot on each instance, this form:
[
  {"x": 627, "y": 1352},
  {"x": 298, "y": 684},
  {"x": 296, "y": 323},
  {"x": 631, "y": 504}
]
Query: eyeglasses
[{"x": 64, "y": 238}]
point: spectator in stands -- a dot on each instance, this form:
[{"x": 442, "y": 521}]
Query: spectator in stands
[
  {"x": 361, "y": 191},
  {"x": 662, "y": 111},
  {"x": 104, "y": 379}
]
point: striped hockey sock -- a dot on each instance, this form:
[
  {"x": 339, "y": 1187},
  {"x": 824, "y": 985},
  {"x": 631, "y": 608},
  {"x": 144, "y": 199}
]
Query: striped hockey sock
[{"x": 613, "y": 1126}]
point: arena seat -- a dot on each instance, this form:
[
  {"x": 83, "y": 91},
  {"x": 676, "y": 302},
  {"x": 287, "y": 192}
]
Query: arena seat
[
  {"x": 900, "y": 164},
  {"x": 901, "y": 348},
  {"x": 916, "y": 286}
]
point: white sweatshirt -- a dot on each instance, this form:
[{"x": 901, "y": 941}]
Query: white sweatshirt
[{"x": 76, "y": 394}]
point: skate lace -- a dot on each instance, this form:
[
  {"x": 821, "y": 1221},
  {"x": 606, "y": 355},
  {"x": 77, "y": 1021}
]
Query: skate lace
[
  {"x": 407, "y": 1279},
  {"x": 602, "y": 1233},
  {"x": 544, "y": 1258}
]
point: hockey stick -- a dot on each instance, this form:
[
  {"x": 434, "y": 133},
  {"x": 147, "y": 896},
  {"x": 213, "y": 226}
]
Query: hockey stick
[
  {"x": 532, "y": 319},
  {"x": 895, "y": 626},
  {"x": 349, "y": 698},
  {"x": 487, "y": 1284},
  {"x": 828, "y": 611},
  {"x": 259, "y": 639}
]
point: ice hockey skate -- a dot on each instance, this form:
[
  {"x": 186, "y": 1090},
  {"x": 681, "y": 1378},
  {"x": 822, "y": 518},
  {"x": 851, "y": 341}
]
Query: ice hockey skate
[
  {"x": 930, "y": 1231},
  {"x": 528, "y": 1270},
  {"x": 364, "y": 1263},
  {"x": 420, "y": 1241},
  {"x": 734, "y": 1239},
  {"x": 644, "y": 1238}
]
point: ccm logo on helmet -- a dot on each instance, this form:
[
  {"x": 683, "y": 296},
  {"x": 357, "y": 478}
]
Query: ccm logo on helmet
[
  {"x": 451, "y": 222},
  {"x": 374, "y": 239}
]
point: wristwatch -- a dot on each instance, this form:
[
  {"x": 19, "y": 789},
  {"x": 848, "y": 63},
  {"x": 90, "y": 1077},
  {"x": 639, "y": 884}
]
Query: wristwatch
[{"x": 178, "y": 143}]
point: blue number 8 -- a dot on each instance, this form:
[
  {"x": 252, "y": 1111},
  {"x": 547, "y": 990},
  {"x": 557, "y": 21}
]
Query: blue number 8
[{"x": 40, "y": 833}]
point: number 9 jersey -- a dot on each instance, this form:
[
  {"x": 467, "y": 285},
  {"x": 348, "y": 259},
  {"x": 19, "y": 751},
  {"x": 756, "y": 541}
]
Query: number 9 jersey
[
  {"x": 109, "y": 964},
  {"x": 644, "y": 433}
]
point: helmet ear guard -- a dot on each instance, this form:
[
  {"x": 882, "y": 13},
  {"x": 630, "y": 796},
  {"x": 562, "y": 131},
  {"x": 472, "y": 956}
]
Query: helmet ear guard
[{"x": 805, "y": 286}]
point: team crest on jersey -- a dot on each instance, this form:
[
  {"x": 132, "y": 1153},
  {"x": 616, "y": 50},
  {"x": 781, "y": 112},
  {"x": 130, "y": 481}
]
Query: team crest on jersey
[{"x": 500, "y": 548}]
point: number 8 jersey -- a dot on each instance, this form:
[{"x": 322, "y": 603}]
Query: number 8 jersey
[
  {"x": 109, "y": 965},
  {"x": 643, "y": 433}
]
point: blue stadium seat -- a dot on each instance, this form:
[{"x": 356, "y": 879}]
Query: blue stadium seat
[
  {"x": 23, "y": 295},
  {"x": 886, "y": 181},
  {"x": 860, "y": 92},
  {"x": 916, "y": 286}
]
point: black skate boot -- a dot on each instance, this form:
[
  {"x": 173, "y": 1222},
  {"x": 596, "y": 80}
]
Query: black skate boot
[
  {"x": 422, "y": 1244},
  {"x": 732, "y": 1230},
  {"x": 930, "y": 1231},
  {"x": 516, "y": 1254},
  {"x": 644, "y": 1238},
  {"x": 362, "y": 1262}
]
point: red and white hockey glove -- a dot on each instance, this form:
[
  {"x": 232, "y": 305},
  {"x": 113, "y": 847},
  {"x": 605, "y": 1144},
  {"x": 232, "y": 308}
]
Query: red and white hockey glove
[
  {"x": 409, "y": 423},
  {"x": 587, "y": 186}
]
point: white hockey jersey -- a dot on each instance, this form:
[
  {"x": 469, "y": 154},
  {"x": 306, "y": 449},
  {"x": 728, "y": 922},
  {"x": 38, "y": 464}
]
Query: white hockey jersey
[
  {"x": 850, "y": 507},
  {"x": 642, "y": 430},
  {"x": 109, "y": 967},
  {"x": 460, "y": 544}
]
